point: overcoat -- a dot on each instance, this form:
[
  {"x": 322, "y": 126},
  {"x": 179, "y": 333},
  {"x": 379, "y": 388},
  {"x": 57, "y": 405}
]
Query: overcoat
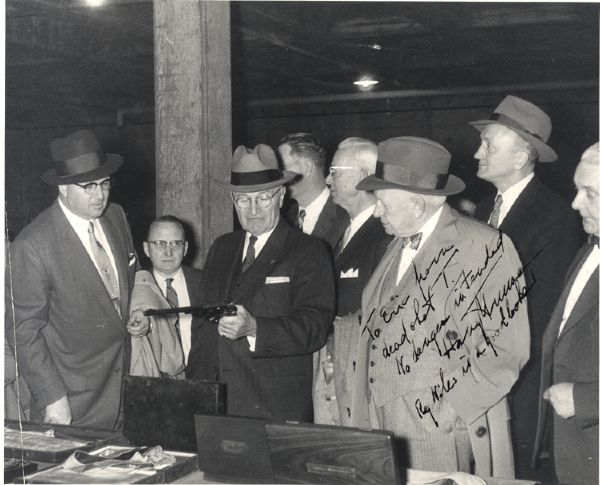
[{"x": 445, "y": 345}]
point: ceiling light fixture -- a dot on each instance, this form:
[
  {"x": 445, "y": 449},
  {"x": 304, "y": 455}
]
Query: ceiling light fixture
[
  {"x": 366, "y": 83},
  {"x": 94, "y": 3},
  {"x": 375, "y": 46}
]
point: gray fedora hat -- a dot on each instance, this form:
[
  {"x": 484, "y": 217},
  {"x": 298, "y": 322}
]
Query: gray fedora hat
[
  {"x": 255, "y": 169},
  {"x": 413, "y": 164},
  {"x": 78, "y": 158},
  {"x": 527, "y": 120}
]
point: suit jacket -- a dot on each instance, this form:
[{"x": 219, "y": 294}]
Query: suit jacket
[
  {"x": 546, "y": 233},
  {"x": 69, "y": 337},
  {"x": 446, "y": 343},
  {"x": 360, "y": 257},
  {"x": 290, "y": 291},
  {"x": 572, "y": 356},
  {"x": 330, "y": 225}
]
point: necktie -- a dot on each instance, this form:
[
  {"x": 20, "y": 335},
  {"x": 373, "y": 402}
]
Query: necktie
[
  {"x": 301, "y": 216},
  {"x": 250, "y": 255},
  {"x": 339, "y": 247},
  {"x": 495, "y": 215},
  {"x": 106, "y": 270},
  {"x": 592, "y": 240},
  {"x": 173, "y": 301},
  {"x": 412, "y": 241}
]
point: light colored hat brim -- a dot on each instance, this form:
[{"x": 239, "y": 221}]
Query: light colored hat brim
[
  {"x": 454, "y": 186},
  {"x": 545, "y": 153},
  {"x": 286, "y": 178},
  {"x": 112, "y": 164}
]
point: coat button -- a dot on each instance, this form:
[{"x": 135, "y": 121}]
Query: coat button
[
  {"x": 451, "y": 335},
  {"x": 359, "y": 319},
  {"x": 371, "y": 380},
  {"x": 373, "y": 347},
  {"x": 371, "y": 363},
  {"x": 481, "y": 432}
]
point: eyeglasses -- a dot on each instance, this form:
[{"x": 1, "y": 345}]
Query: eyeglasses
[
  {"x": 162, "y": 245},
  {"x": 90, "y": 188},
  {"x": 263, "y": 200},
  {"x": 333, "y": 171}
]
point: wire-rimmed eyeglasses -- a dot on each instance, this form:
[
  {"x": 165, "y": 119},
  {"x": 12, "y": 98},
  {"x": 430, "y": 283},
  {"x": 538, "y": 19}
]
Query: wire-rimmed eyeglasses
[
  {"x": 333, "y": 171},
  {"x": 263, "y": 200},
  {"x": 90, "y": 188},
  {"x": 162, "y": 245}
]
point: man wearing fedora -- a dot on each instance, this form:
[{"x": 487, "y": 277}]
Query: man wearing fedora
[
  {"x": 73, "y": 269},
  {"x": 444, "y": 329},
  {"x": 281, "y": 281},
  {"x": 543, "y": 228}
]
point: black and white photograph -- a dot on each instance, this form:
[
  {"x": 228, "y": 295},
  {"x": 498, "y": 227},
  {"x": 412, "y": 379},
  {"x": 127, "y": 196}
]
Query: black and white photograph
[{"x": 319, "y": 242}]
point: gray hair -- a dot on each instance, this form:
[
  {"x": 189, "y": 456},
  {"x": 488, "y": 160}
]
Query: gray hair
[
  {"x": 361, "y": 150},
  {"x": 592, "y": 155}
]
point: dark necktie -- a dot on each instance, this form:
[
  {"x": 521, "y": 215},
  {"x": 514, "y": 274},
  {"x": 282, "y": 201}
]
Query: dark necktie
[
  {"x": 495, "y": 215},
  {"x": 106, "y": 270},
  {"x": 301, "y": 216},
  {"x": 593, "y": 240},
  {"x": 250, "y": 254},
  {"x": 412, "y": 241},
  {"x": 173, "y": 301}
]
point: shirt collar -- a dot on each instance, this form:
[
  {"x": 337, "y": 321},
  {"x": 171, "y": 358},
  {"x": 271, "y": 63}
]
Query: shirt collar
[
  {"x": 177, "y": 276},
  {"x": 318, "y": 204},
  {"x": 357, "y": 222},
  {"x": 510, "y": 195},
  {"x": 73, "y": 218}
]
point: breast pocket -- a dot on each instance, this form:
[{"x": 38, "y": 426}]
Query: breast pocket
[{"x": 273, "y": 299}]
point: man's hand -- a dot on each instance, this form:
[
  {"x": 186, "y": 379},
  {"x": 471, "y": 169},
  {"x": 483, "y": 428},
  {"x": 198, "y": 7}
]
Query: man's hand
[
  {"x": 561, "y": 397},
  {"x": 138, "y": 325},
  {"x": 241, "y": 325},
  {"x": 59, "y": 412}
]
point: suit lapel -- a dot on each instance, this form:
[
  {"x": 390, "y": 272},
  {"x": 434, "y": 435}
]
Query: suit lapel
[
  {"x": 357, "y": 241},
  {"x": 79, "y": 258},
  {"x": 513, "y": 221},
  {"x": 270, "y": 254},
  {"x": 121, "y": 259},
  {"x": 325, "y": 218},
  {"x": 588, "y": 299}
]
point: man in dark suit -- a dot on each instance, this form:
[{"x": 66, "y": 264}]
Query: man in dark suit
[
  {"x": 282, "y": 284},
  {"x": 312, "y": 208},
  {"x": 166, "y": 246},
  {"x": 569, "y": 384},
  {"x": 356, "y": 255},
  {"x": 543, "y": 228},
  {"x": 72, "y": 272},
  {"x": 444, "y": 330}
]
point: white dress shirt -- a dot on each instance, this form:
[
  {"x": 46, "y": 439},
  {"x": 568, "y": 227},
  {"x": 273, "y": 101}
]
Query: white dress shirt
[
  {"x": 355, "y": 225},
  {"x": 313, "y": 211},
  {"x": 80, "y": 226},
  {"x": 183, "y": 298},
  {"x": 510, "y": 195},
  {"x": 409, "y": 254},
  {"x": 258, "y": 246},
  {"x": 585, "y": 272}
]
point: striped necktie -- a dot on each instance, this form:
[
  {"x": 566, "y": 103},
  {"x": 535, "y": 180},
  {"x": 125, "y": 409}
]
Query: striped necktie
[
  {"x": 107, "y": 273},
  {"x": 250, "y": 254},
  {"x": 173, "y": 300},
  {"x": 301, "y": 216},
  {"x": 495, "y": 215}
]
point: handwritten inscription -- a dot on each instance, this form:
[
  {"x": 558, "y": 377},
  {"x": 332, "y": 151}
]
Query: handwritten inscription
[{"x": 453, "y": 314}]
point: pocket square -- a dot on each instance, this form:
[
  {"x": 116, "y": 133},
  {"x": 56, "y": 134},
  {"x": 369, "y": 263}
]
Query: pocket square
[
  {"x": 349, "y": 273},
  {"x": 132, "y": 259},
  {"x": 272, "y": 280}
]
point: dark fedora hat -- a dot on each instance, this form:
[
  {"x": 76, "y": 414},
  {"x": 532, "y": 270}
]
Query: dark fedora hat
[
  {"x": 78, "y": 158},
  {"x": 527, "y": 120},
  {"x": 255, "y": 169},
  {"x": 413, "y": 164}
]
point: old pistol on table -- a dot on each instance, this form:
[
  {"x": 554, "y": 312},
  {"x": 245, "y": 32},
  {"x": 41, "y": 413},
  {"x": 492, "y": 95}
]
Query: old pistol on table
[{"x": 211, "y": 313}]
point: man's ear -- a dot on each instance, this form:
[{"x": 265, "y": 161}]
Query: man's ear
[
  {"x": 418, "y": 205},
  {"x": 147, "y": 252},
  {"x": 281, "y": 197},
  {"x": 185, "y": 248},
  {"x": 62, "y": 190}
]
